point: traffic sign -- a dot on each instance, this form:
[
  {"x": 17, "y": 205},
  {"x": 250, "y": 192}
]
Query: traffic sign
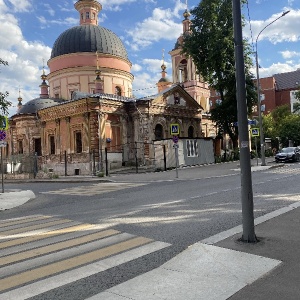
[
  {"x": 250, "y": 122},
  {"x": 3, "y": 144},
  {"x": 2, "y": 135},
  {"x": 3, "y": 123},
  {"x": 174, "y": 129},
  {"x": 254, "y": 131},
  {"x": 175, "y": 139}
]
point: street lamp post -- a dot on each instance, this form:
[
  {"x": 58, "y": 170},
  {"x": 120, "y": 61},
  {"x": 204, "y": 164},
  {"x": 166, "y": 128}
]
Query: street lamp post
[{"x": 261, "y": 135}]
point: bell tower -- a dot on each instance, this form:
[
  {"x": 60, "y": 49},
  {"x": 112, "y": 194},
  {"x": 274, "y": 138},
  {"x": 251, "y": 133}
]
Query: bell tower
[
  {"x": 184, "y": 71},
  {"x": 88, "y": 11}
]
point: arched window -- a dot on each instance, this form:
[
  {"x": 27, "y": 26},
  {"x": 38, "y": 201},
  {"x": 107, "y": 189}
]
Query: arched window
[
  {"x": 159, "y": 132},
  {"x": 118, "y": 91},
  {"x": 182, "y": 71},
  {"x": 191, "y": 132}
]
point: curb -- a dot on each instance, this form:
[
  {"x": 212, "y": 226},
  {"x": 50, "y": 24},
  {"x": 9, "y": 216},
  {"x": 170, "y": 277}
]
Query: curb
[{"x": 8, "y": 200}]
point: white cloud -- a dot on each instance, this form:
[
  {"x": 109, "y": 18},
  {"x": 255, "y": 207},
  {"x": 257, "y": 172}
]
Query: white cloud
[
  {"x": 65, "y": 22},
  {"x": 20, "y": 6},
  {"x": 284, "y": 29},
  {"x": 277, "y": 68},
  {"x": 162, "y": 25},
  {"x": 148, "y": 78},
  {"x": 144, "y": 80},
  {"x": 289, "y": 54},
  {"x": 115, "y": 5},
  {"x": 136, "y": 68},
  {"x": 49, "y": 9},
  {"x": 25, "y": 58},
  {"x": 153, "y": 65}
]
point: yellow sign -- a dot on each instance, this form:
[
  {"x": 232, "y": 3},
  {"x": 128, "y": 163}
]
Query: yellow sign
[
  {"x": 174, "y": 129},
  {"x": 254, "y": 131},
  {"x": 3, "y": 123}
]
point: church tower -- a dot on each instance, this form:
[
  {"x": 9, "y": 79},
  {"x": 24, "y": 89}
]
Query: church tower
[
  {"x": 164, "y": 82},
  {"x": 88, "y": 11},
  {"x": 184, "y": 70}
]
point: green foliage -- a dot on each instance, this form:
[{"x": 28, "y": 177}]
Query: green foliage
[
  {"x": 53, "y": 176},
  {"x": 4, "y": 103},
  {"x": 270, "y": 127},
  {"x": 211, "y": 46},
  {"x": 100, "y": 174},
  {"x": 296, "y": 107},
  {"x": 282, "y": 124},
  {"x": 281, "y": 112},
  {"x": 290, "y": 130}
]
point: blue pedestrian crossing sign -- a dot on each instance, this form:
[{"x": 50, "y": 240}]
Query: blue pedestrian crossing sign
[
  {"x": 254, "y": 131},
  {"x": 174, "y": 129}
]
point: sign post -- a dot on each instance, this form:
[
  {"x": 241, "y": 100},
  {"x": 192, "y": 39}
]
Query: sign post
[
  {"x": 174, "y": 130},
  {"x": 2, "y": 176},
  {"x": 175, "y": 146},
  {"x": 255, "y": 133},
  {"x": 3, "y": 143}
]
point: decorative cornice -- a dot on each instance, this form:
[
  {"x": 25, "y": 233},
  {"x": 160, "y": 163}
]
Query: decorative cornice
[{"x": 105, "y": 72}]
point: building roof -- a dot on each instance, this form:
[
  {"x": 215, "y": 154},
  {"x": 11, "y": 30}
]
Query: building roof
[
  {"x": 32, "y": 106},
  {"x": 287, "y": 81},
  {"x": 89, "y": 38},
  {"x": 164, "y": 79}
]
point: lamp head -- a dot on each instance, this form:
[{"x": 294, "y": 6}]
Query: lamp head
[{"x": 285, "y": 13}]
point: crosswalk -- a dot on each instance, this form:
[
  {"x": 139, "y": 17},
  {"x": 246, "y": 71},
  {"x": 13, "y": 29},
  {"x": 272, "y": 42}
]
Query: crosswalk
[
  {"x": 94, "y": 189},
  {"x": 285, "y": 170},
  {"x": 39, "y": 253}
]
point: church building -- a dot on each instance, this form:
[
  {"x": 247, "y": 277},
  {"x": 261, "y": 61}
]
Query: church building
[{"x": 86, "y": 109}]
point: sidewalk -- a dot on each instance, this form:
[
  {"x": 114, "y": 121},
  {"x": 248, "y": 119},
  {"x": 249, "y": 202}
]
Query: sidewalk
[{"x": 221, "y": 267}]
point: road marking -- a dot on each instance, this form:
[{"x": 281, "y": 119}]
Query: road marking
[
  {"x": 33, "y": 227},
  {"x": 55, "y": 247},
  {"x": 95, "y": 189},
  {"x": 42, "y": 235},
  {"x": 52, "y": 258},
  {"x": 22, "y": 220},
  {"x": 60, "y": 266},
  {"x": 44, "y": 285}
]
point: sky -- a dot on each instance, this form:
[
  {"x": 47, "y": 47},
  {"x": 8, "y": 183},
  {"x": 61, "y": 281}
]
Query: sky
[{"x": 148, "y": 28}]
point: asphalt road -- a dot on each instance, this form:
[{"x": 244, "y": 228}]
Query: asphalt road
[{"x": 178, "y": 212}]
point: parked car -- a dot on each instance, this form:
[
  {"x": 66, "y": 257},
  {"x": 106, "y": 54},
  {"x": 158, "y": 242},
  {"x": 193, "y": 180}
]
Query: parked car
[{"x": 288, "y": 154}]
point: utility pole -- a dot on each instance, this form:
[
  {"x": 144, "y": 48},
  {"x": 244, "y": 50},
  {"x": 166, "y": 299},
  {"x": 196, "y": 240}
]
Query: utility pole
[{"x": 245, "y": 162}]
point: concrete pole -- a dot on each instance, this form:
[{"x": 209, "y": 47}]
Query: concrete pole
[{"x": 245, "y": 162}]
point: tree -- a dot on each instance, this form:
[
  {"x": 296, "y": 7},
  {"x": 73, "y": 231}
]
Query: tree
[
  {"x": 296, "y": 108},
  {"x": 281, "y": 112},
  {"x": 290, "y": 130},
  {"x": 211, "y": 46},
  {"x": 282, "y": 124},
  {"x": 4, "y": 103}
]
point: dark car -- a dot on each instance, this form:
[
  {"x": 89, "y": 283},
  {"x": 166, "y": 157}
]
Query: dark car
[{"x": 288, "y": 154}]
